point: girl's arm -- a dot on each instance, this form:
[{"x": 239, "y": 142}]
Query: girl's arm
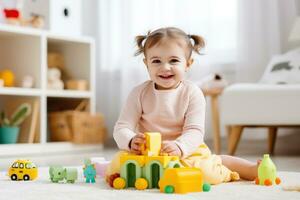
[
  {"x": 193, "y": 129},
  {"x": 128, "y": 120}
]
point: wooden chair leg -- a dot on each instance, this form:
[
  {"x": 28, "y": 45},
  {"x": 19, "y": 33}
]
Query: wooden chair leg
[
  {"x": 272, "y": 139},
  {"x": 234, "y": 138}
]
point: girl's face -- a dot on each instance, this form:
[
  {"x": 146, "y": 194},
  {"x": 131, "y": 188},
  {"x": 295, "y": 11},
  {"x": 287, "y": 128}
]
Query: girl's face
[{"x": 166, "y": 63}]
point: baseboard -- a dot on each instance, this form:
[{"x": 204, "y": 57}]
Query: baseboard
[{"x": 19, "y": 150}]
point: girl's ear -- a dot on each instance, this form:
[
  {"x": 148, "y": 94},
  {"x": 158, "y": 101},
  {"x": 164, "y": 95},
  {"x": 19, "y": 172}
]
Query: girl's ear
[{"x": 189, "y": 63}]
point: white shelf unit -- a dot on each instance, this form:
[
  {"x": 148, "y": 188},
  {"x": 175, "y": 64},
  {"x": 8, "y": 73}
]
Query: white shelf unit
[{"x": 24, "y": 51}]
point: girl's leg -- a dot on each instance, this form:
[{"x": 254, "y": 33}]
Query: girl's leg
[{"x": 246, "y": 169}]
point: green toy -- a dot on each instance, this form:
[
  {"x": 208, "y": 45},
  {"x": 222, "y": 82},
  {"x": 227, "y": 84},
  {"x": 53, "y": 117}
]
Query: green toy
[
  {"x": 89, "y": 171},
  {"x": 267, "y": 172},
  {"x": 59, "y": 173}
]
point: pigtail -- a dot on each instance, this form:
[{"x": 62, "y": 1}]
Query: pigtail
[
  {"x": 139, "y": 42},
  {"x": 199, "y": 43}
]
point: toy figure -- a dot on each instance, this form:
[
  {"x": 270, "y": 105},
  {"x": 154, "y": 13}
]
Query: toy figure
[
  {"x": 59, "y": 173},
  {"x": 89, "y": 171}
]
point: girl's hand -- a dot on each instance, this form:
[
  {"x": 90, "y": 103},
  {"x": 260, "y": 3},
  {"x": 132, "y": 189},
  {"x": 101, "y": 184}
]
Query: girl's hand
[
  {"x": 136, "y": 143},
  {"x": 171, "y": 148}
]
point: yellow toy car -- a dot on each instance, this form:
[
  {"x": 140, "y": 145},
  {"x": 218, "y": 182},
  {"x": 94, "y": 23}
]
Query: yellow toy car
[
  {"x": 183, "y": 180},
  {"x": 23, "y": 170}
]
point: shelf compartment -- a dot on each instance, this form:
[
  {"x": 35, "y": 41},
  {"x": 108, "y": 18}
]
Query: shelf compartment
[
  {"x": 77, "y": 58},
  {"x": 21, "y": 54},
  {"x": 30, "y": 128}
]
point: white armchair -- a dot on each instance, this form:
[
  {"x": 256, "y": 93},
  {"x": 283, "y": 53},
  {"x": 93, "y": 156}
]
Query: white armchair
[{"x": 259, "y": 105}]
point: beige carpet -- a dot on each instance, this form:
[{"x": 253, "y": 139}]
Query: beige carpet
[{"x": 43, "y": 189}]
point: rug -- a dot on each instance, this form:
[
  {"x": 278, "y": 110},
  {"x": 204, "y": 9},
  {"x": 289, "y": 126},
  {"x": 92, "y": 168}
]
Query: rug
[{"x": 42, "y": 189}]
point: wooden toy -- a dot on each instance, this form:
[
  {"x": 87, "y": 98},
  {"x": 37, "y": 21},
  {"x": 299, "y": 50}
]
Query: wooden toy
[
  {"x": 23, "y": 170},
  {"x": 59, "y": 173},
  {"x": 182, "y": 180},
  {"x": 77, "y": 85},
  {"x": 89, "y": 171},
  {"x": 267, "y": 172}
]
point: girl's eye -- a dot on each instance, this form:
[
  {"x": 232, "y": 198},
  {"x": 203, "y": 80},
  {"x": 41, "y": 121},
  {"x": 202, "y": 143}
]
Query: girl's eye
[
  {"x": 156, "y": 61},
  {"x": 174, "y": 61}
]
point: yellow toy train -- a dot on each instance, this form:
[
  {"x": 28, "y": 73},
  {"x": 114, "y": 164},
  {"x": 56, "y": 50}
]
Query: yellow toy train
[{"x": 152, "y": 170}]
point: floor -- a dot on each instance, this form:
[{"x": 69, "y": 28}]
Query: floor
[{"x": 287, "y": 154}]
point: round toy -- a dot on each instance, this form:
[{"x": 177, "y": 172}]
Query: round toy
[
  {"x": 141, "y": 184},
  {"x": 206, "y": 187},
  {"x": 119, "y": 183}
]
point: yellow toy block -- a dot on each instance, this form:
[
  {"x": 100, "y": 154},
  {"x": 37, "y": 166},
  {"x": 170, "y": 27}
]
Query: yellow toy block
[
  {"x": 139, "y": 159},
  {"x": 182, "y": 180},
  {"x": 153, "y": 144}
]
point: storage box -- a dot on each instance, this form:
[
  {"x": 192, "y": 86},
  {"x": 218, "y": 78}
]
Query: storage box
[
  {"x": 60, "y": 16},
  {"x": 77, "y": 126}
]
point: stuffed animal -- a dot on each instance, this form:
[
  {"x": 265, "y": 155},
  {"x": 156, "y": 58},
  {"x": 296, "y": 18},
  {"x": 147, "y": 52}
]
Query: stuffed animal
[{"x": 54, "y": 79}]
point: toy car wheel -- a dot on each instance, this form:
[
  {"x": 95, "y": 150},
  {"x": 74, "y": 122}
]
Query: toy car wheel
[
  {"x": 141, "y": 184},
  {"x": 169, "y": 189},
  {"x": 26, "y": 177},
  {"x": 14, "y": 177}
]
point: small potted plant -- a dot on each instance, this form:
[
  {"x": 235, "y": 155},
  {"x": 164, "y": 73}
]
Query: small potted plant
[{"x": 9, "y": 127}]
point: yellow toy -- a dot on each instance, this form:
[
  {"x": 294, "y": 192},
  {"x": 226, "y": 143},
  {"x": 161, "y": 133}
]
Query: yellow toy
[
  {"x": 23, "y": 170},
  {"x": 146, "y": 171},
  {"x": 153, "y": 144},
  {"x": 8, "y": 77},
  {"x": 183, "y": 180}
]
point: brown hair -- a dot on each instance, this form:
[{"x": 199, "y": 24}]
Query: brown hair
[{"x": 152, "y": 38}]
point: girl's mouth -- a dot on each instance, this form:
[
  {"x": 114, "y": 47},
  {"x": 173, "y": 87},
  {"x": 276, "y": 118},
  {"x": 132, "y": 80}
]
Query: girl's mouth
[{"x": 166, "y": 76}]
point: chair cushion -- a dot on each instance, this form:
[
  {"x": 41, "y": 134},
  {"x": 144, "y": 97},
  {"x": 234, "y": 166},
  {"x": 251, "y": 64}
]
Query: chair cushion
[{"x": 261, "y": 104}]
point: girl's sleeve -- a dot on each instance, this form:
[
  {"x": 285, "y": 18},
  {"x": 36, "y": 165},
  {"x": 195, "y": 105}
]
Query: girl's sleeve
[
  {"x": 193, "y": 129},
  {"x": 124, "y": 129}
]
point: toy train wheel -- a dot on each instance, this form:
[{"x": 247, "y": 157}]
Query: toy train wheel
[
  {"x": 26, "y": 177},
  {"x": 141, "y": 184},
  {"x": 169, "y": 189},
  {"x": 13, "y": 177},
  {"x": 119, "y": 183}
]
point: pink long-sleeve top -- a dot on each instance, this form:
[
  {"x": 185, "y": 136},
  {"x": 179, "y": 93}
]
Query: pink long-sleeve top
[{"x": 178, "y": 114}]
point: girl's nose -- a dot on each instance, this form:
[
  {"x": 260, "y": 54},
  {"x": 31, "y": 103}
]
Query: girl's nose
[{"x": 166, "y": 66}]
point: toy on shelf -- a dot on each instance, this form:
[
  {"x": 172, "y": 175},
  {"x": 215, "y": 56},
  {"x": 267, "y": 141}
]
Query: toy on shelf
[
  {"x": 54, "y": 79},
  {"x": 1, "y": 83},
  {"x": 13, "y": 16},
  {"x": 27, "y": 81},
  {"x": 77, "y": 85},
  {"x": 183, "y": 180},
  {"x": 59, "y": 173},
  {"x": 89, "y": 171},
  {"x": 147, "y": 170},
  {"x": 23, "y": 170},
  {"x": 267, "y": 172},
  {"x": 8, "y": 77}
]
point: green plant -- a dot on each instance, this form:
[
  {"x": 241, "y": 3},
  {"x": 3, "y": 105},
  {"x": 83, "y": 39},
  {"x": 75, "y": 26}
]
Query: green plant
[{"x": 17, "y": 117}]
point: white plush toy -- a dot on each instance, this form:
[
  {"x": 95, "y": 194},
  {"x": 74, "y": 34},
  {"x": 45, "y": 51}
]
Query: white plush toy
[{"x": 54, "y": 79}]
